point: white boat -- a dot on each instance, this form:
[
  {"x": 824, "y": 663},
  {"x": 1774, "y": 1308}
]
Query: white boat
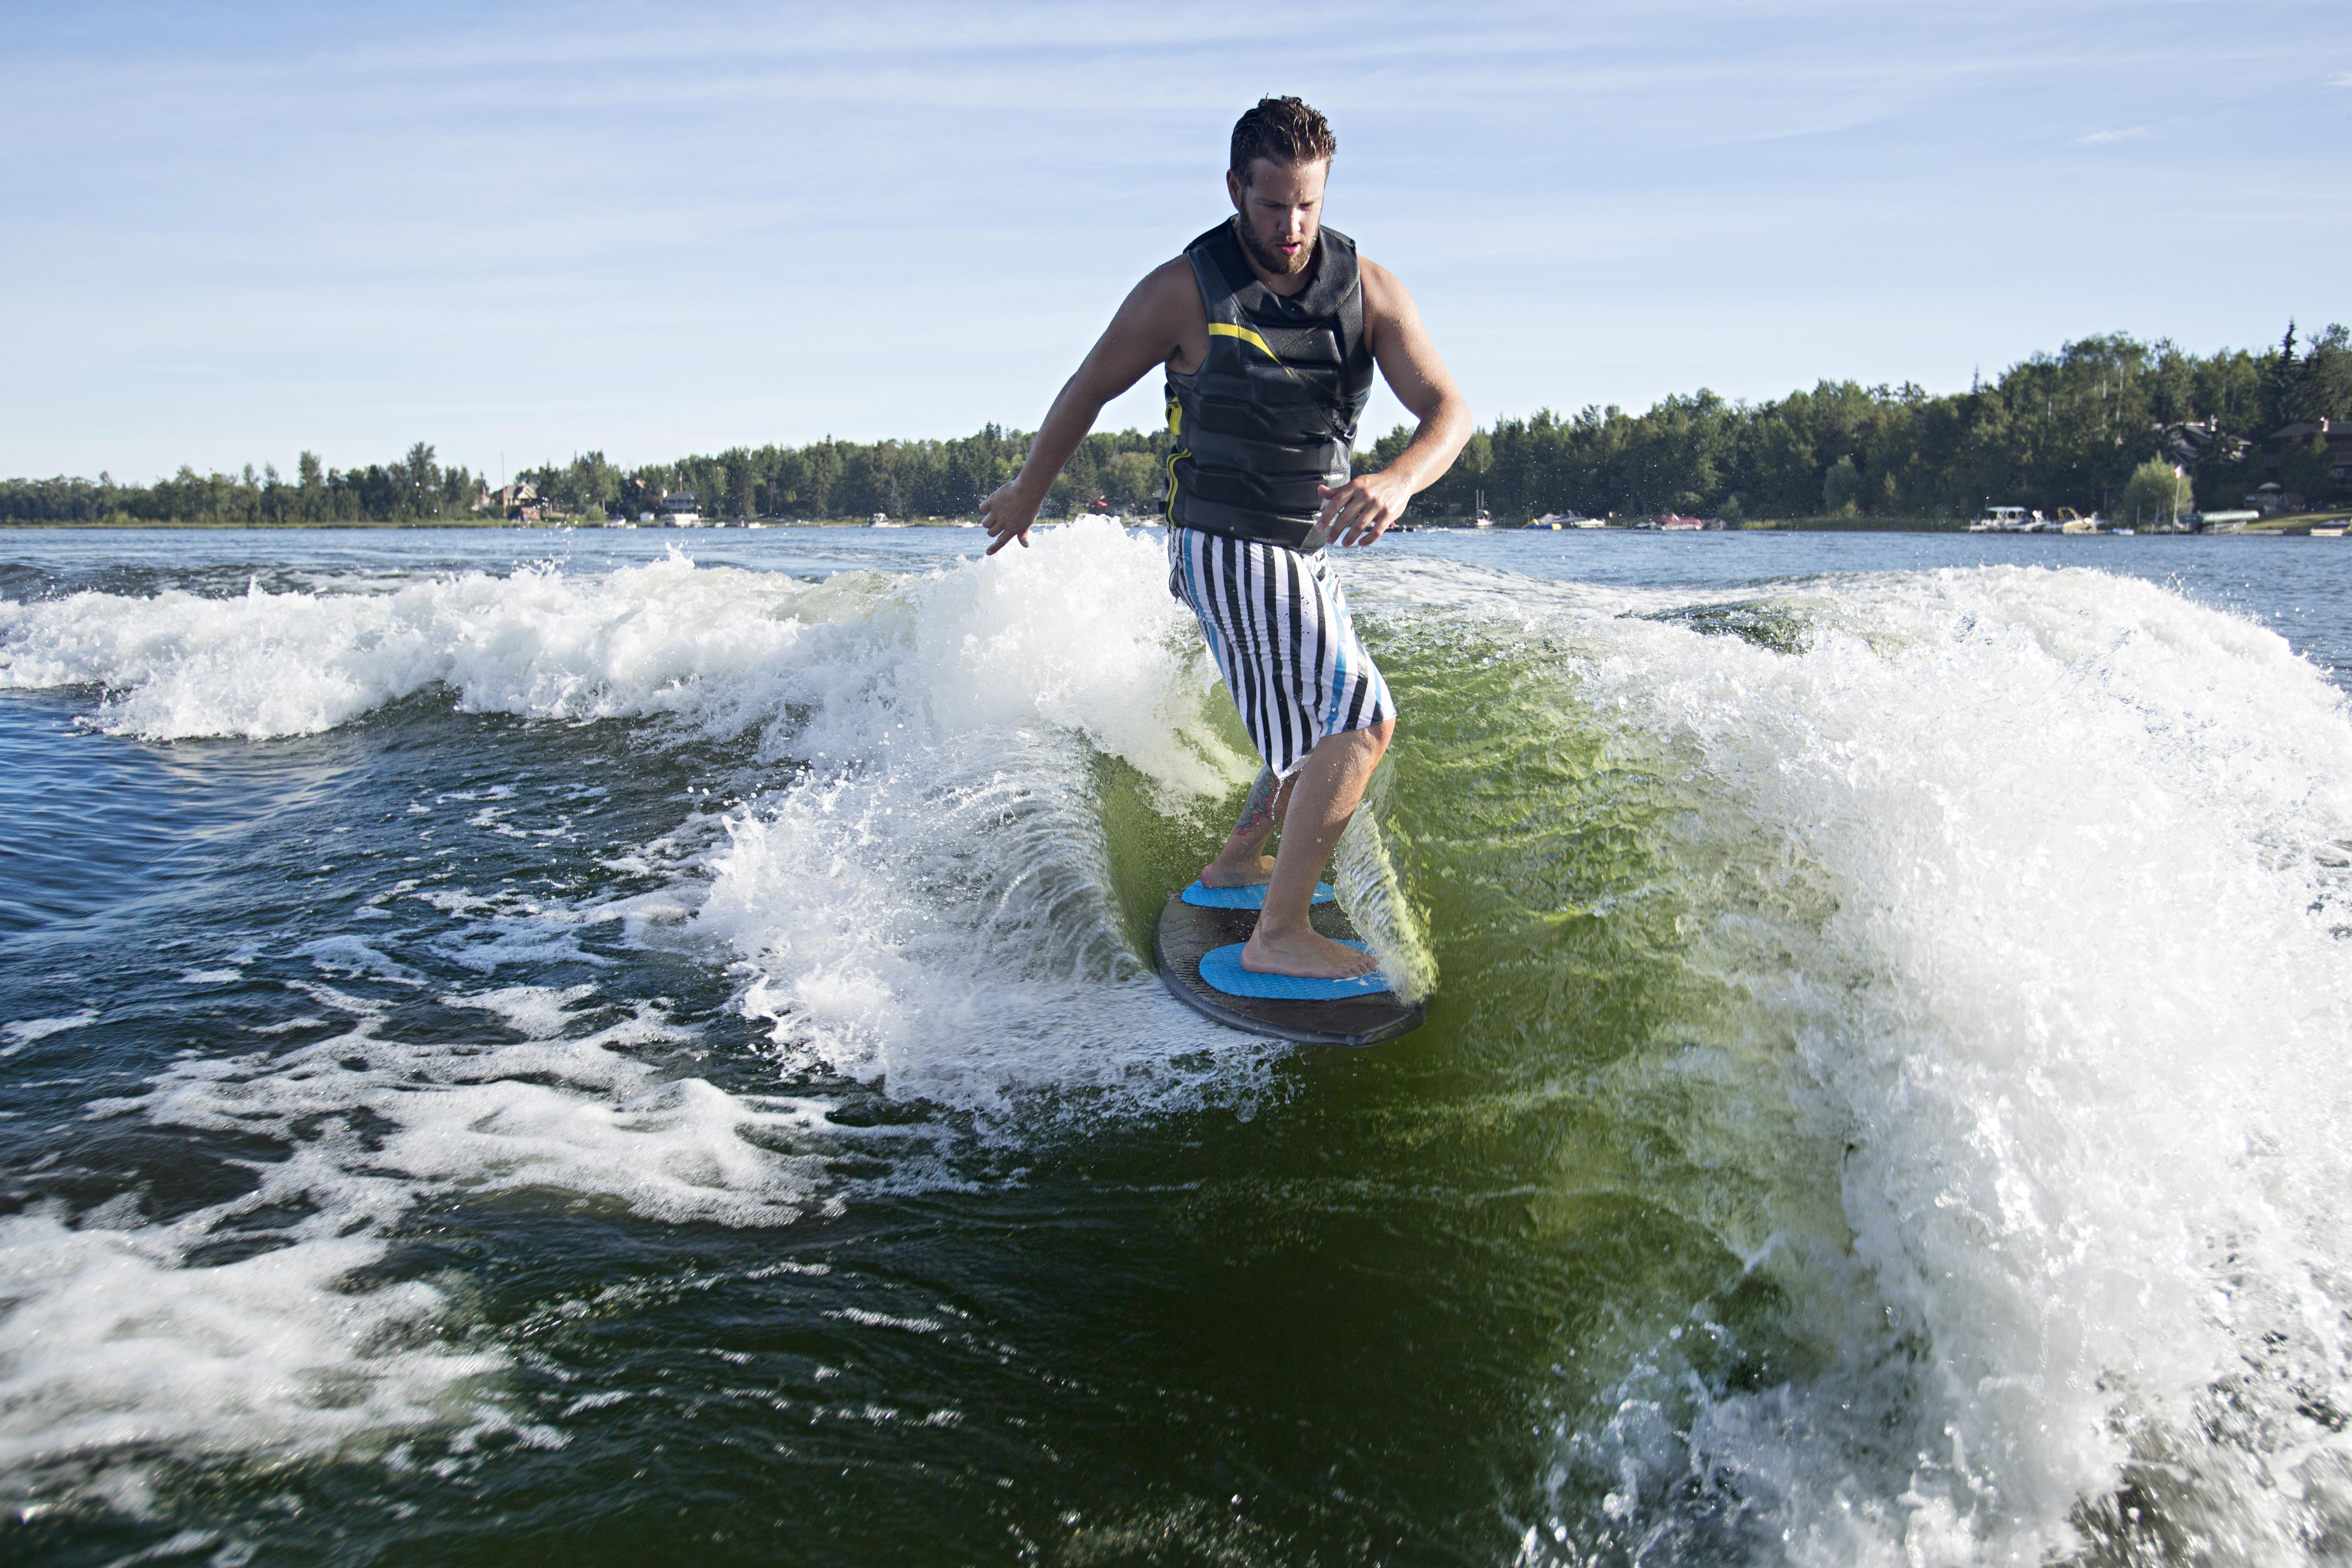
[
  {"x": 1482, "y": 520},
  {"x": 2122, "y": 532},
  {"x": 2004, "y": 519}
]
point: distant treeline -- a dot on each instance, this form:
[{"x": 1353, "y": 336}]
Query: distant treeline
[
  {"x": 414, "y": 489},
  {"x": 848, "y": 478},
  {"x": 2056, "y": 430}
]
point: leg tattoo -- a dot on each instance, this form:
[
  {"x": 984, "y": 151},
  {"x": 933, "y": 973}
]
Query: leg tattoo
[
  {"x": 1243, "y": 862},
  {"x": 1257, "y": 811}
]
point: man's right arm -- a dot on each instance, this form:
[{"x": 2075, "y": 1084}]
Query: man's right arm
[{"x": 1147, "y": 331}]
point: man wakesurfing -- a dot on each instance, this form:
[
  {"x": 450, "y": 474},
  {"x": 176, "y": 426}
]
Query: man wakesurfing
[{"x": 1270, "y": 326}]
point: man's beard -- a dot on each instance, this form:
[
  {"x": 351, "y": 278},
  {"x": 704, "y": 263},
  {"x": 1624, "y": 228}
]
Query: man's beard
[{"x": 1271, "y": 260}]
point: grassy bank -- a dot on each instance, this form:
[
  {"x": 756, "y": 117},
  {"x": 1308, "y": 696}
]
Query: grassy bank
[{"x": 2301, "y": 523}]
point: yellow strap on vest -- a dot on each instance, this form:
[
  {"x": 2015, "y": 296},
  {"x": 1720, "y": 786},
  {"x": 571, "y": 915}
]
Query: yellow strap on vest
[
  {"x": 1227, "y": 329},
  {"x": 1175, "y": 434}
]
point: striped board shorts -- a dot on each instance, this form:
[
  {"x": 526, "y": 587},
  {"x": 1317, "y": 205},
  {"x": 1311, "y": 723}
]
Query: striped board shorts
[{"x": 1277, "y": 624}]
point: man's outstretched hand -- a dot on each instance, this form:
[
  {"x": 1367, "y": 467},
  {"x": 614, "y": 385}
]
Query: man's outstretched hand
[
  {"x": 1361, "y": 510},
  {"x": 1007, "y": 515}
]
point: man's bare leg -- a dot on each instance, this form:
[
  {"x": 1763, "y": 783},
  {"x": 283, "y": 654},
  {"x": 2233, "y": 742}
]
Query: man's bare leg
[
  {"x": 1328, "y": 789},
  {"x": 1243, "y": 862}
]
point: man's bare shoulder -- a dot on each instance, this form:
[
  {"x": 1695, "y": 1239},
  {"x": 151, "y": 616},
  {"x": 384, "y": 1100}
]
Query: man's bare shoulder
[
  {"x": 1161, "y": 322},
  {"x": 1165, "y": 301},
  {"x": 1169, "y": 299},
  {"x": 1385, "y": 298},
  {"x": 1171, "y": 280}
]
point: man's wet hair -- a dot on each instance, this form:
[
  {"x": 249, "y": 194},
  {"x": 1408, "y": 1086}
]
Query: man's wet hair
[{"x": 1283, "y": 130}]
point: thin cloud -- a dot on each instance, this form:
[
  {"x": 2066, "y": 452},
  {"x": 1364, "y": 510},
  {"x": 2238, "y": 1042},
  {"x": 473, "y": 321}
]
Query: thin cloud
[
  {"x": 2096, "y": 137},
  {"x": 2341, "y": 79}
]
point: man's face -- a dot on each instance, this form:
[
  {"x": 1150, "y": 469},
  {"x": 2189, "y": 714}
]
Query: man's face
[{"x": 1282, "y": 209}]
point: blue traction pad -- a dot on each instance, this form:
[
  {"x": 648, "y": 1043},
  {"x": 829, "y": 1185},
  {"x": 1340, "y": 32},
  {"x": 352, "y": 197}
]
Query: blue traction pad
[
  {"x": 1201, "y": 896},
  {"x": 1220, "y": 967}
]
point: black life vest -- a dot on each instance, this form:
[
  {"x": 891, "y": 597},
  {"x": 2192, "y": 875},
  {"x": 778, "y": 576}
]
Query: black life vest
[{"x": 1271, "y": 413}]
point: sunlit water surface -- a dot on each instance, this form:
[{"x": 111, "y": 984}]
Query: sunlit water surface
[{"x": 624, "y": 1047}]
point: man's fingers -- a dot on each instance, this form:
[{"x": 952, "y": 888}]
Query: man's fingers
[
  {"x": 1367, "y": 525},
  {"x": 1343, "y": 517},
  {"x": 1339, "y": 504},
  {"x": 1352, "y": 514}
]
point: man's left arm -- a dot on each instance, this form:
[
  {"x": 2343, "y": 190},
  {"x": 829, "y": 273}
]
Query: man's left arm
[{"x": 1361, "y": 510}]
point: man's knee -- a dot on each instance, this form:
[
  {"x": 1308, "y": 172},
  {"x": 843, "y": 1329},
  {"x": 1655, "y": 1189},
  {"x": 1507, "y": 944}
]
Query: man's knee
[{"x": 1370, "y": 743}]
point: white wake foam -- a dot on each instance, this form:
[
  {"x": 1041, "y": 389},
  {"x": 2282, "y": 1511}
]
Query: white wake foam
[
  {"x": 2079, "y": 1018},
  {"x": 931, "y": 906},
  {"x": 663, "y": 638},
  {"x": 118, "y": 1334}
]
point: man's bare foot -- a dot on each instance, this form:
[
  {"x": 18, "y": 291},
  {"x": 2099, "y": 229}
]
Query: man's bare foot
[
  {"x": 1228, "y": 872},
  {"x": 1306, "y": 954}
]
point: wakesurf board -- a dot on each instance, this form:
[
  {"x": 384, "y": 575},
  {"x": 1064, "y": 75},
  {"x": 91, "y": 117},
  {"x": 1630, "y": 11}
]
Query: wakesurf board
[{"x": 1198, "y": 951}]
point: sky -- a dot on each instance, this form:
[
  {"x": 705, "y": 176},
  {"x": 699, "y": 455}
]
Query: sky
[{"x": 236, "y": 232}]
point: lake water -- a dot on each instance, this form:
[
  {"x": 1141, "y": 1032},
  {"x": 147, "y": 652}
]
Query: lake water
[{"x": 623, "y": 1047}]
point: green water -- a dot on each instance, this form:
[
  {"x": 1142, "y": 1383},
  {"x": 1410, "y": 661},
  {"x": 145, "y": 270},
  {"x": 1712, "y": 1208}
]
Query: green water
[{"x": 1555, "y": 1179}]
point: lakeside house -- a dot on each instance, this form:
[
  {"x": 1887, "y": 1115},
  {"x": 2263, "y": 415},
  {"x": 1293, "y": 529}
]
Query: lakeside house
[
  {"x": 679, "y": 508},
  {"x": 2336, "y": 487},
  {"x": 2191, "y": 442},
  {"x": 517, "y": 502}
]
